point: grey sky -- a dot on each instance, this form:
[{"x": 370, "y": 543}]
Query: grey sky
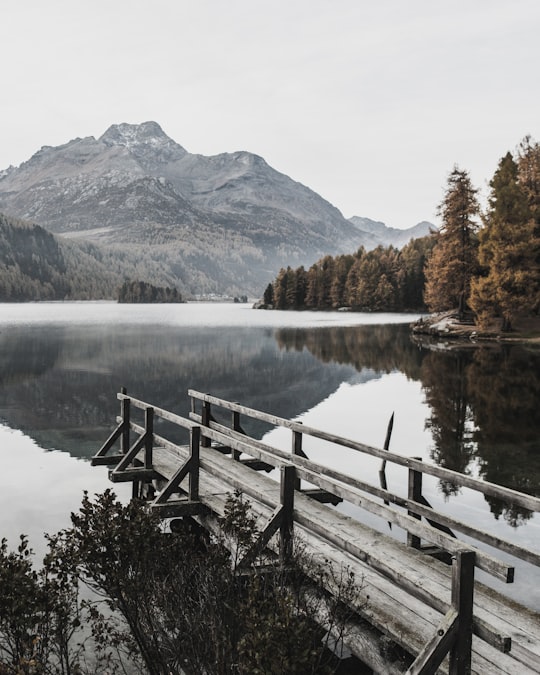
[{"x": 369, "y": 103}]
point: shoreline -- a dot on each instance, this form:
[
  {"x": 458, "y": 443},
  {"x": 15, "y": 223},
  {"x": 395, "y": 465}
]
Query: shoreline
[{"x": 447, "y": 325}]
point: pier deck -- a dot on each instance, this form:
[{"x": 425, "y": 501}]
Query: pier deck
[{"x": 444, "y": 619}]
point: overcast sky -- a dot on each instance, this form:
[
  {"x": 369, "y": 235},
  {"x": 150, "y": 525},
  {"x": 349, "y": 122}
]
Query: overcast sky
[{"x": 369, "y": 103}]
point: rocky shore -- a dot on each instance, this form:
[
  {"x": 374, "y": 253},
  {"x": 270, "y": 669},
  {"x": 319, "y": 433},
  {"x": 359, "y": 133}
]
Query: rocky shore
[{"x": 448, "y": 326}]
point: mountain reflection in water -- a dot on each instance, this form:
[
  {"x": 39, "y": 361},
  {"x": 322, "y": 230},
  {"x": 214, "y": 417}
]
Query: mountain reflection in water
[{"x": 58, "y": 384}]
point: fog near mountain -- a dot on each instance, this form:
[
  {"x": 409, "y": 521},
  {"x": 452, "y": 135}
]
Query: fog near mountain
[{"x": 221, "y": 224}]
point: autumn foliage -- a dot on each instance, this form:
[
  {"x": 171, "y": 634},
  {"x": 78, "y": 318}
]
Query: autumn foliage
[{"x": 485, "y": 266}]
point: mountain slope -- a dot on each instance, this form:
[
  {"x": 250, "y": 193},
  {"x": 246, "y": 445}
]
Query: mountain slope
[
  {"x": 37, "y": 265},
  {"x": 225, "y": 223}
]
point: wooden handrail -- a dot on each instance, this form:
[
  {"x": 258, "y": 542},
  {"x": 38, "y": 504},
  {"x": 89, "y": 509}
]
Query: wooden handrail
[
  {"x": 335, "y": 482},
  {"x": 346, "y": 487},
  {"x": 491, "y": 489}
]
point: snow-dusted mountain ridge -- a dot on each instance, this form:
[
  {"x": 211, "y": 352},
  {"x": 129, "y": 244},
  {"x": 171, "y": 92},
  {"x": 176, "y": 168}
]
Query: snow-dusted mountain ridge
[{"x": 225, "y": 223}]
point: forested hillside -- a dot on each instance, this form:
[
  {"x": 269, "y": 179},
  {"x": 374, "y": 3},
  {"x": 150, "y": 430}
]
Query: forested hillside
[{"x": 36, "y": 265}]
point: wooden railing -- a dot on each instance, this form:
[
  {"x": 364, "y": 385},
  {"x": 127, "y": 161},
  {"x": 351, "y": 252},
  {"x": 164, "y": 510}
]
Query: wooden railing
[
  {"x": 135, "y": 463},
  {"x": 415, "y": 504}
]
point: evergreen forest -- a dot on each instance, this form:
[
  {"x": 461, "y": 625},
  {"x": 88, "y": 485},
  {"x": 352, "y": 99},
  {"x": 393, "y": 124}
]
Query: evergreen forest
[
  {"x": 483, "y": 264},
  {"x": 142, "y": 292},
  {"x": 36, "y": 265}
]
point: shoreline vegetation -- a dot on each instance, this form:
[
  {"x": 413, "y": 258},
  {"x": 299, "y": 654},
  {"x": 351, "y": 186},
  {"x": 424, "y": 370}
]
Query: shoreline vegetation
[{"x": 478, "y": 276}]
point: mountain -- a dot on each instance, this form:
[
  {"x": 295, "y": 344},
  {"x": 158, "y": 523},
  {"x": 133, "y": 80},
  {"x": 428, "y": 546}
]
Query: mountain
[
  {"x": 379, "y": 234},
  {"x": 224, "y": 223}
]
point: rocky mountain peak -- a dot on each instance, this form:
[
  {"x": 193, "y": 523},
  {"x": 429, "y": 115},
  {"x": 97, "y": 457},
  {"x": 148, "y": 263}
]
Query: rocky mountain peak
[{"x": 144, "y": 141}]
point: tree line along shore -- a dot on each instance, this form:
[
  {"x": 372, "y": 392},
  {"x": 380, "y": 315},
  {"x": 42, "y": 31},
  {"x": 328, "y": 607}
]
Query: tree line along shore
[{"x": 483, "y": 265}]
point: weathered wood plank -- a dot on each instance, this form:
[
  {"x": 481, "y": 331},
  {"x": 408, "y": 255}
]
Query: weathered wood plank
[
  {"x": 432, "y": 655},
  {"x": 106, "y": 460},
  {"x": 316, "y": 474},
  {"x": 179, "y": 508},
  {"x": 415, "y": 575},
  {"x": 420, "y": 509},
  {"x": 133, "y": 474},
  {"x": 399, "y": 616},
  {"x": 395, "y": 577},
  {"x": 491, "y": 489},
  {"x": 379, "y": 548}
]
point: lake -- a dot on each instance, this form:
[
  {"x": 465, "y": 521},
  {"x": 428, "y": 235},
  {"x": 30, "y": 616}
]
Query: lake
[{"x": 472, "y": 409}]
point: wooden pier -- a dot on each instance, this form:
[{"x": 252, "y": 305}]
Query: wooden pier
[{"x": 420, "y": 595}]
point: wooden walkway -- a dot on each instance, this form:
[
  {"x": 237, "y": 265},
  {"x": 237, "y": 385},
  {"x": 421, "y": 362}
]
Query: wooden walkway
[{"x": 445, "y": 620}]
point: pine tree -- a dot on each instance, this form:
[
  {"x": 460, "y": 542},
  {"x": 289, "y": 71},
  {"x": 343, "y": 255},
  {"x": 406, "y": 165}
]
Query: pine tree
[
  {"x": 529, "y": 177},
  {"x": 268, "y": 297},
  {"x": 453, "y": 261},
  {"x": 506, "y": 251}
]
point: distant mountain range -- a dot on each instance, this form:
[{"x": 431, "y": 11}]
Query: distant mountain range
[
  {"x": 379, "y": 234},
  {"x": 221, "y": 224}
]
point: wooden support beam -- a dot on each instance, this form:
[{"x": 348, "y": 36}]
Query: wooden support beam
[
  {"x": 148, "y": 437},
  {"x": 236, "y": 426},
  {"x": 435, "y": 651},
  {"x": 287, "y": 488},
  {"x": 206, "y": 418},
  {"x": 125, "y": 407},
  {"x": 268, "y": 531},
  {"x": 111, "y": 440},
  {"x": 133, "y": 474},
  {"x": 172, "y": 486},
  {"x": 462, "y": 602},
  {"x": 256, "y": 464},
  {"x": 414, "y": 495},
  {"x": 107, "y": 460},
  {"x": 194, "y": 460},
  {"x": 282, "y": 518},
  {"x": 322, "y": 496},
  {"x": 189, "y": 467},
  {"x": 454, "y": 635},
  {"x": 132, "y": 453},
  {"x": 180, "y": 508},
  {"x": 297, "y": 451}
]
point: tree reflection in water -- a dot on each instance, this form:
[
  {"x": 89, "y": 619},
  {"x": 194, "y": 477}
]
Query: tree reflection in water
[
  {"x": 59, "y": 385},
  {"x": 483, "y": 399}
]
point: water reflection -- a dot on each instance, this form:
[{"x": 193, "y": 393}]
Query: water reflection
[
  {"x": 58, "y": 384},
  {"x": 483, "y": 400},
  {"x": 383, "y": 348}
]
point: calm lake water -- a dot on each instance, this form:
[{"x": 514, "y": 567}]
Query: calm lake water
[{"x": 472, "y": 409}]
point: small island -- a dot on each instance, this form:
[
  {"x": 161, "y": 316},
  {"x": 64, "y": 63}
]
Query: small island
[{"x": 143, "y": 292}]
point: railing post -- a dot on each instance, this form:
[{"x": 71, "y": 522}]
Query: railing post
[
  {"x": 194, "y": 443},
  {"x": 462, "y": 601},
  {"x": 206, "y": 415},
  {"x": 288, "y": 480},
  {"x": 415, "y": 495},
  {"x": 149, "y": 437},
  {"x": 297, "y": 450},
  {"x": 236, "y": 426},
  {"x": 125, "y": 414}
]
